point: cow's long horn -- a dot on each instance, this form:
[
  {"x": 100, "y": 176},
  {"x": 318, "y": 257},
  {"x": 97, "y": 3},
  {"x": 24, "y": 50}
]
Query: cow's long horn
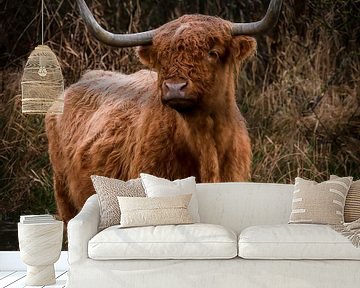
[
  {"x": 117, "y": 40},
  {"x": 261, "y": 26}
]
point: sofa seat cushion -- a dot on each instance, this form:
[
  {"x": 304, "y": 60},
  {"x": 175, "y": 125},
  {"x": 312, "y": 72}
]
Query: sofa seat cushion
[
  {"x": 295, "y": 241},
  {"x": 192, "y": 241}
]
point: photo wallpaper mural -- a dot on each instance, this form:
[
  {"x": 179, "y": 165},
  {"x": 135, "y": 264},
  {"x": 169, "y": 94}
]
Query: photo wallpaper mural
[{"x": 298, "y": 95}]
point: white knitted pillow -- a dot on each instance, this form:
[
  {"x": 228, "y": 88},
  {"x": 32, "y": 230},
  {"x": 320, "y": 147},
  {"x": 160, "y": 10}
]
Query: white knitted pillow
[{"x": 160, "y": 187}]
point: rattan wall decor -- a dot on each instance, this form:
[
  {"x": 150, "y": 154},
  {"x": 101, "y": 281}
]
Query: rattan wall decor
[{"x": 42, "y": 84}]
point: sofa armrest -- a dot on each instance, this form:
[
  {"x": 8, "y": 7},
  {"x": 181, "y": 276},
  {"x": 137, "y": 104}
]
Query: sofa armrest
[{"x": 82, "y": 228}]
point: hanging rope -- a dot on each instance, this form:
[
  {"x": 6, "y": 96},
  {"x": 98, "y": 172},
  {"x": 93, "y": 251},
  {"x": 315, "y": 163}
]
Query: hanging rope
[{"x": 42, "y": 22}]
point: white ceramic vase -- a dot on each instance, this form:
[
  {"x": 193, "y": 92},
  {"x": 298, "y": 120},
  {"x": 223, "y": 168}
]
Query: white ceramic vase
[{"x": 40, "y": 247}]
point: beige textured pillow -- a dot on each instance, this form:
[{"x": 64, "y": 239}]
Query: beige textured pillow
[
  {"x": 321, "y": 203},
  {"x": 107, "y": 190},
  {"x": 352, "y": 203},
  {"x": 138, "y": 211}
]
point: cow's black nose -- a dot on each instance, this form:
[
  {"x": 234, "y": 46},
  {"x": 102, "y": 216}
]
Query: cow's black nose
[
  {"x": 177, "y": 95},
  {"x": 175, "y": 88}
]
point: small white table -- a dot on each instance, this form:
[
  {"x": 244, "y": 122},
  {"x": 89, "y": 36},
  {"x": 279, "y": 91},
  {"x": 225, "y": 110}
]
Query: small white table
[{"x": 40, "y": 247}]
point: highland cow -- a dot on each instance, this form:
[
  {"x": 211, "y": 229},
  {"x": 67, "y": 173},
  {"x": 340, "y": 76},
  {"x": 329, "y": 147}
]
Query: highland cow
[{"x": 178, "y": 120}]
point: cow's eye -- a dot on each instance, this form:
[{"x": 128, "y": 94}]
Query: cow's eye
[{"x": 213, "y": 54}]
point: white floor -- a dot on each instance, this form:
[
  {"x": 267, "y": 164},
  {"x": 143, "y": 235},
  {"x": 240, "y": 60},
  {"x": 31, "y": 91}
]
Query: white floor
[
  {"x": 16, "y": 279},
  {"x": 13, "y": 271}
]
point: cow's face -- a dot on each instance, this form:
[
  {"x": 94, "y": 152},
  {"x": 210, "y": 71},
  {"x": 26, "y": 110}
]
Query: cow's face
[{"x": 195, "y": 57}]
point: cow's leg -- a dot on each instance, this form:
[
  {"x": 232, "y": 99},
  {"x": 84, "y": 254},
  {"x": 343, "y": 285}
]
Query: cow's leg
[
  {"x": 80, "y": 189},
  {"x": 236, "y": 170},
  {"x": 236, "y": 164},
  {"x": 65, "y": 208}
]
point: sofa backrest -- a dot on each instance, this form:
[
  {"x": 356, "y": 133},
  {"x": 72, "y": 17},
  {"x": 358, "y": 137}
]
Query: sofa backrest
[{"x": 239, "y": 205}]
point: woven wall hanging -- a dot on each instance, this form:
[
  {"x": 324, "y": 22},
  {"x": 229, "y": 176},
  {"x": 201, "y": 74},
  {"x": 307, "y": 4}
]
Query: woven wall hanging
[{"x": 42, "y": 84}]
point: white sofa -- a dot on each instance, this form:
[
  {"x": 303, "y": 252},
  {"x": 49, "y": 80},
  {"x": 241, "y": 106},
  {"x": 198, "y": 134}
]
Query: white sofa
[{"x": 253, "y": 219}]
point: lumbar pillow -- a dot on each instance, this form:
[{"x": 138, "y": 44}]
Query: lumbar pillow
[
  {"x": 139, "y": 211},
  {"x": 321, "y": 203},
  {"x": 352, "y": 202},
  {"x": 107, "y": 190},
  {"x": 160, "y": 187}
]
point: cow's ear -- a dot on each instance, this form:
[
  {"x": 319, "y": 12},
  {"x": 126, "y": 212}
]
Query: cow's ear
[
  {"x": 146, "y": 55},
  {"x": 243, "y": 47}
]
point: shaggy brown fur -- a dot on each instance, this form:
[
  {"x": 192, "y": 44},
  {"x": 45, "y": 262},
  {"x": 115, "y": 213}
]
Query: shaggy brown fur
[{"x": 118, "y": 126}]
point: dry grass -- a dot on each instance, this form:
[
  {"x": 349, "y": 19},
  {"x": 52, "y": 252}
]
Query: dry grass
[
  {"x": 305, "y": 118},
  {"x": 300, "y": 95}
]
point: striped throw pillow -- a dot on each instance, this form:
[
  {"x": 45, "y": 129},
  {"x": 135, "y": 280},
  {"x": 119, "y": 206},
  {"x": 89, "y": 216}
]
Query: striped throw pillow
[
  {"x": 352, "y": 203},
  {"x": 320, "y": 203}
]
